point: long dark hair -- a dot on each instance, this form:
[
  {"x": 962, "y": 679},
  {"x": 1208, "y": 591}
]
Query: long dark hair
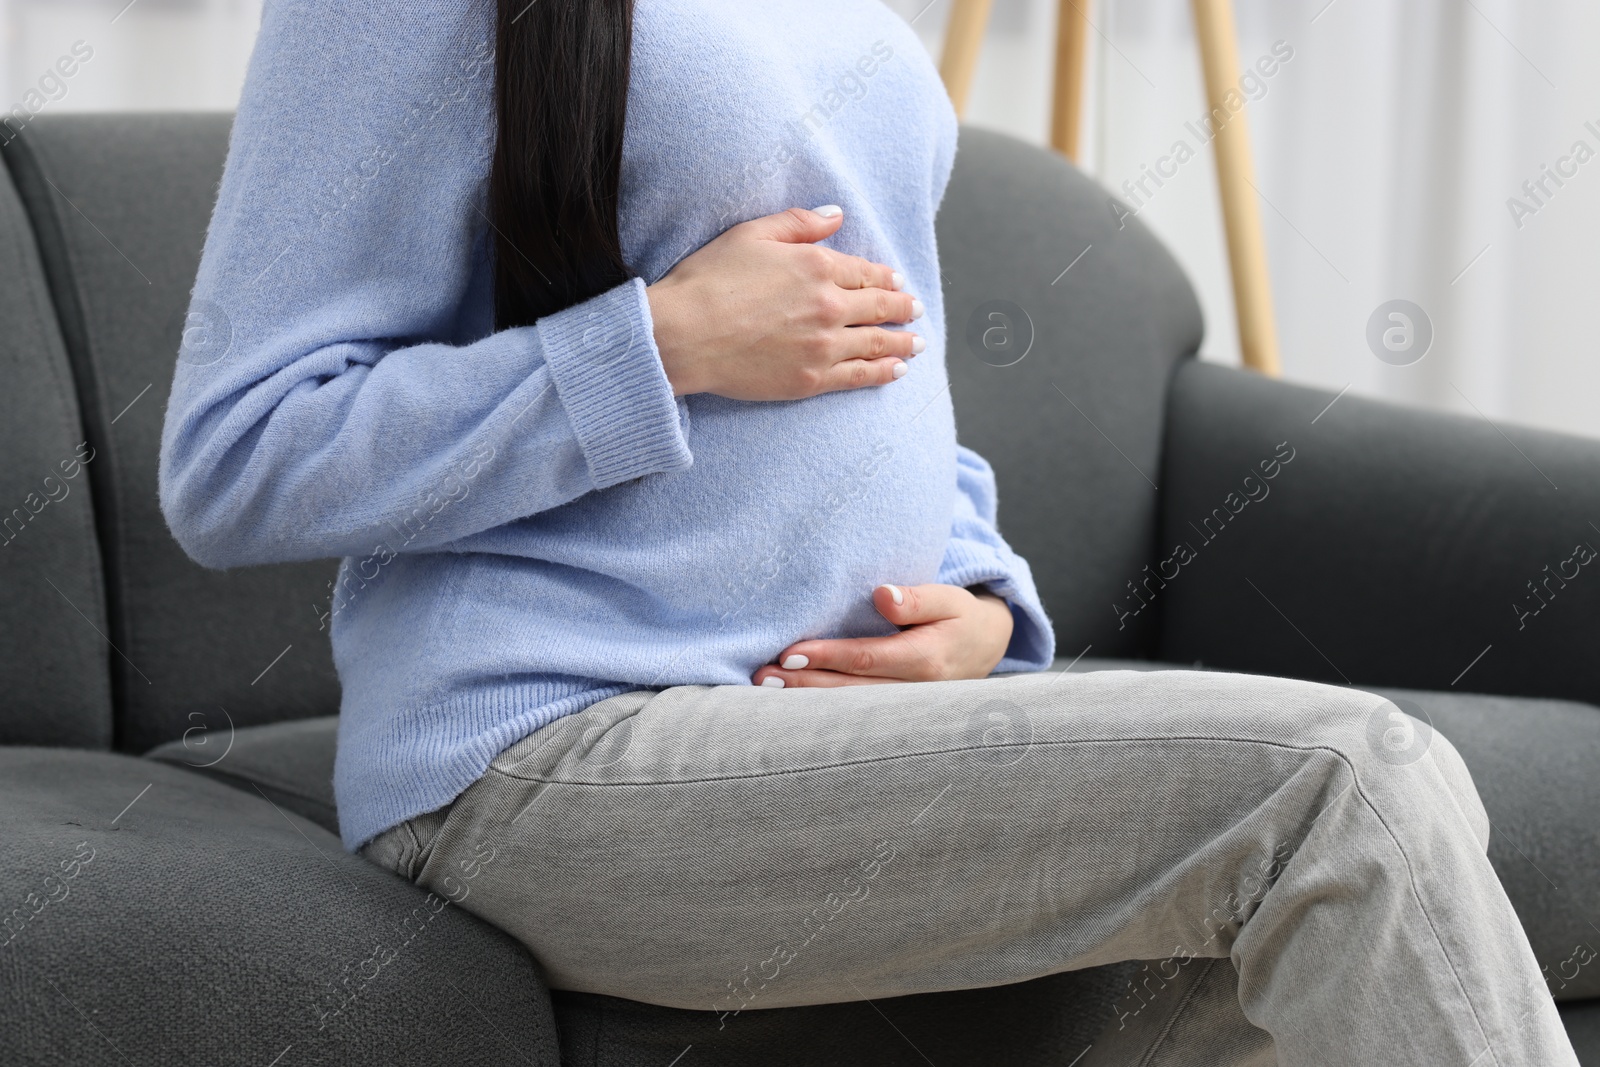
[{"x": 561, "y": 95}]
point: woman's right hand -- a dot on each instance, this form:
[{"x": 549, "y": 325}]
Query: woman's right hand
[{"x": 764, "y": 313}]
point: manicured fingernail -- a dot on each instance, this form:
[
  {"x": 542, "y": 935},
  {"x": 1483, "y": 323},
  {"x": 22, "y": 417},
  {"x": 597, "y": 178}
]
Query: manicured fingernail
[
  {"x": 916, "y": 309},
  {"x": 918, "y": 345},
  {"x": 828, "y": 211},
  {"x": 795, "y": 662},
  {"x": 772, "y": 681},
  {"x": 900, "y": 369},
  {"x": 897, "y": 280},
  {"x": 894, "y": 591}
]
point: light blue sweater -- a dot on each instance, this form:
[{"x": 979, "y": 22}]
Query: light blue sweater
[{"x": 530, "y": 522}]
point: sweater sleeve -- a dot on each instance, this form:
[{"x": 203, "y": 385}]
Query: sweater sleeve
[
  {"x": 339, "y": 384},
  {"x": 978, "y": 555}
]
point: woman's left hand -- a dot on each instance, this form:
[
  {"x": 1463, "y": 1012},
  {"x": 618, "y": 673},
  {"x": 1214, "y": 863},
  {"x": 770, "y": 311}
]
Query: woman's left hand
[{"x": 949, "y": 633}]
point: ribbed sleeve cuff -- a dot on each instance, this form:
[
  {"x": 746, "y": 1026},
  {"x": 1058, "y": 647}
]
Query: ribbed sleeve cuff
[
  {"x": 1033, "y": 639},
  {"x": 606, "y": 368}
]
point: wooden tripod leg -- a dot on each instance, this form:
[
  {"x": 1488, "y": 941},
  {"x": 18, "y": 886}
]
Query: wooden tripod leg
[
  {"x": 1072, "y": 37},
  {"x": 962, "y": 41},
  {"x": 1247, "y": 253}
]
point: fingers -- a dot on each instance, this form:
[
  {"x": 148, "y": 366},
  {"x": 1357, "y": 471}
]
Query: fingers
[
  {"x": 843, "y": 299},
  {"x": 900, "y": 657},
  {"x": 866, "y": 356},
  {"x": 769, "y": 677},
  {"x": 868, "y": 307},
  {"x": 872, "y": 342},
  {"x": 862, "y": 373},
  {"x": 853, "y": 272},
  {"x": 910, "y": 605},
  {"x": 920, "y": 653},
  {"x": 797, "y": 225}
]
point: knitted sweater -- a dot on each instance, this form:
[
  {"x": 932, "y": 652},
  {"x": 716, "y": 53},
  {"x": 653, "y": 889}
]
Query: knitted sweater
[{"x": 528, "y": 520}]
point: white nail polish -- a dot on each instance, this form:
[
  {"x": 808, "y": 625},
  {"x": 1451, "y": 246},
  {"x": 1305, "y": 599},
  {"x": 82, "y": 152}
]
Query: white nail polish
[
  {"x": 918, "y": 346},
  {"x": 772, "y": 681},
  {"x": 916, "y": 309},
  {"x": 796, "y": 662},
  {"x": 900, "y": 369},
  {"x": 897, "y": 280},
  {"x": 894, "y": 591},
  {"x": 828, "y": 211}
]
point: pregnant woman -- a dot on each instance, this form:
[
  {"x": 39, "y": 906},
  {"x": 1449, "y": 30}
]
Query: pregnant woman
[{"x": 675, "y": 632}]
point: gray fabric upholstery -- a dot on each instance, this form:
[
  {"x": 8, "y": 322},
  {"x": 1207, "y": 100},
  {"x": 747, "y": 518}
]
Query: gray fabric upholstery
[
  {"x": 1583, "y": 1028},
  {"x": 1389, "y": 551},
  {"x": 209, "y": 927},
  {"x": 120, "y": 205},
  {"x": 1077, "y": 483},
  {"x": 1047, "y": 1022},
  {"x": 291, "y": 762},
  {"x": 53, "y": 664},
  {"x": 1085, "y": 664}
]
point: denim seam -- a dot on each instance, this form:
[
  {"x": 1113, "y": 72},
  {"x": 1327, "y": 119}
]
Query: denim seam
[
  {"x": 930, "y": 752},
  {"x": 1423, "y": 908}
]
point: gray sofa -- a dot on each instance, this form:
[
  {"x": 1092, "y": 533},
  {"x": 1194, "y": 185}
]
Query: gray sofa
[{"x": 172, "y": 887}]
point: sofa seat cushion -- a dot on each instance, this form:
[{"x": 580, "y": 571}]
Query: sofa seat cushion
[
  {"x": 1583, "y": 1029},
  {"x": 157, "y": 916},
  {"x": 290, "y": 762}
]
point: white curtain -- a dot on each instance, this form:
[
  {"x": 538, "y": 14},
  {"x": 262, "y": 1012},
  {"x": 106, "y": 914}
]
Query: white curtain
[
  {"x": 1387, "y": 149},
  {"x": 147, "y": 55}
]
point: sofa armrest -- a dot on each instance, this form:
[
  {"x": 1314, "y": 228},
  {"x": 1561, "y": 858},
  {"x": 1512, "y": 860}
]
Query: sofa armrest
[{"x": 1393, "y": 546}]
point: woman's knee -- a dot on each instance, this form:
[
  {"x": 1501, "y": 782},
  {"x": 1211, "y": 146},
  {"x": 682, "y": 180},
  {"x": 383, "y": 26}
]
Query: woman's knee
[
  {"x": 1394, "y": 751},
  {"x": 1452, "y": 770}
]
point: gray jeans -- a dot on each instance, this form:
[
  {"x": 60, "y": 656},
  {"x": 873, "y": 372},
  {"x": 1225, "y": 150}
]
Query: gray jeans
[{"x": 1306, "y": 862}]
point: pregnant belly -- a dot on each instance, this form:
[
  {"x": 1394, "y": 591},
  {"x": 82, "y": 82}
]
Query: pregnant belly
[
  {"x": 785, "y": 504},
  {"x": 789, "y": 516}
]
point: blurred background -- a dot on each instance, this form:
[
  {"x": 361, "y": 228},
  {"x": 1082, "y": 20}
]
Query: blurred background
[{"x": 1404, "y": 151}]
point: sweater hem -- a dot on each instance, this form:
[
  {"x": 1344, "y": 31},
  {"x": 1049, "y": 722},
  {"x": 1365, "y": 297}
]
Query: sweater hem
[{"x": 515, "y": 714}]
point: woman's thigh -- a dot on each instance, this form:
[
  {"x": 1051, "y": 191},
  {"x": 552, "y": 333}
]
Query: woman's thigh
[{"x": 732, "y": 848}]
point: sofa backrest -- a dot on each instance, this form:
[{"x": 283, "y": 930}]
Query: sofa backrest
[
  {"x": 119, "y": 206},
  {"x": 1032, "y": 250}
]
